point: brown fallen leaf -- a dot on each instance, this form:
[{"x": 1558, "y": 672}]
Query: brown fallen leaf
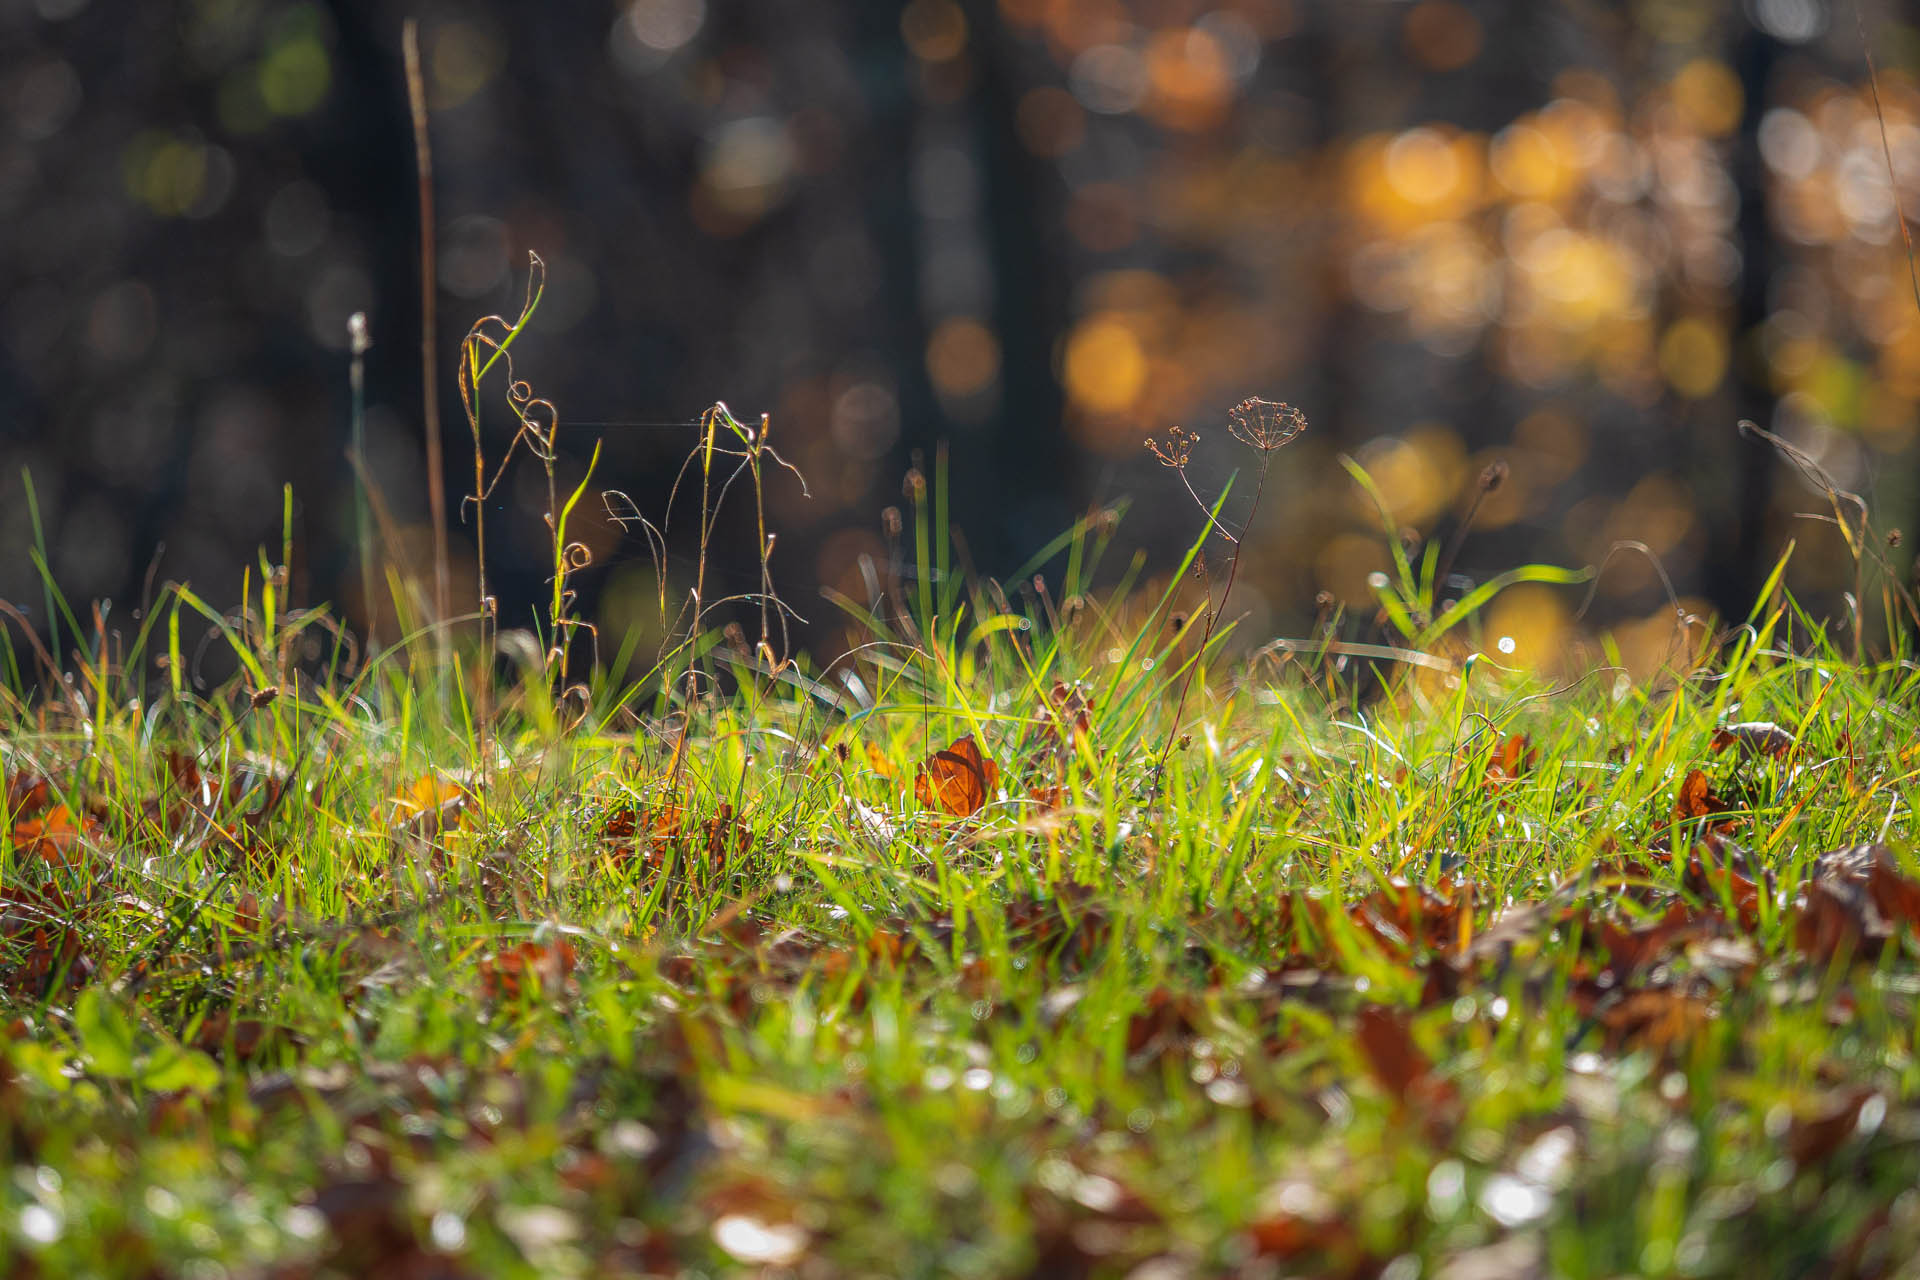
[
  {"x": 1818, "y": 1132},
  {"x": 1386, "y": 1042},
  {"x": 531, "y": 966},
  {"x": 1855, "y": 900}
]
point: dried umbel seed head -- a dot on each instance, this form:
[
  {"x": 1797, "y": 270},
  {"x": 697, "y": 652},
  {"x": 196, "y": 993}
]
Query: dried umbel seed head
[
  {"x": 890, "y": 522},
  {"x": 1493, "y": 476},
  {"x": 914, "y": 488},
  {"x": 1323, "y": 600},
  {"x": 1178, "y": 448},
  {"x": 1265, "y": 424}
]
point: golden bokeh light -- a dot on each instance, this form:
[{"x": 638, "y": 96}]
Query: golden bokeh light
[
  {"x": 1105, "y": 365},
  {"x": 1418, "y": 475},
  {"x": 1345, "y": 563},
  {"x": 1529, "y": 626},
  {"x": 1693, "y": 356},
  {"x": 963, "y": 357},
  {"x": 1707, "y": 94},
  {"x": 1188, "y": 86}
]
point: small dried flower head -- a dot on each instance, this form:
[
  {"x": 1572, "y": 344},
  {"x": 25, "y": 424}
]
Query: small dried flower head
[
  {"x": 1178, "y": 448},
  {"x": 1323, "y": 600},
  {"x": 1265, "y": 424},
  {"x": 1893, "y": 537},
  {"x": 890, "y": 523},
  {"x": 1493, "y": 475},
  {"x": 915, "y": 485},
  {"x": 264, "y": 697}
]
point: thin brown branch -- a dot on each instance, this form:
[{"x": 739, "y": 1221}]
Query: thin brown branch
[{"x": 429, "y": 287}]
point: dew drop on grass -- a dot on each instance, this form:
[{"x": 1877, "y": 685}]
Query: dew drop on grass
[
  {"x": 938, "y": 1078},
  {"x": 976, "y": 1079},
  {"x": 449, "y": 1231},
  {"x": 303, "y": 1222},
  {"x": 1504, "y": 644},
  {"x": 1513, "y": 1202},
  {"x": 748, "y": 1239},
  {"x": 1446, "y": 1189},
  {"x": 40, "y": 1224}
]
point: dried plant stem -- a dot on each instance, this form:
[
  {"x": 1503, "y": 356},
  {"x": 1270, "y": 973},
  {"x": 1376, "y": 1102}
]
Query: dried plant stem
[
  {"x": 1213, "y": 617},
  {"x": 429, "y": 288}
]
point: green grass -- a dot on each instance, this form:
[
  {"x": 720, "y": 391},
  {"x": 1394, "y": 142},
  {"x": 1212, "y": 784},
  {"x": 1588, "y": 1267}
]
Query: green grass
[
  {"x": 605, "y": 1002},
  {"x": 1041, "y": 937}
]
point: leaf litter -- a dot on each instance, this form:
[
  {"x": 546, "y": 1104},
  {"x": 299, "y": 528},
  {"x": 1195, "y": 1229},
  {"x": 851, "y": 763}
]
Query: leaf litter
[{"x": 1297, "y": 1016}]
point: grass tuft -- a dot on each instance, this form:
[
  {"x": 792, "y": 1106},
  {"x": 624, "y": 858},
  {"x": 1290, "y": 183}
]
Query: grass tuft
[{"x": 1060, "y": 932}]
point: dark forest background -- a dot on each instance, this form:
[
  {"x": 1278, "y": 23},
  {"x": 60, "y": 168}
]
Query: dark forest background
[{"x": 1584, "y": 238}]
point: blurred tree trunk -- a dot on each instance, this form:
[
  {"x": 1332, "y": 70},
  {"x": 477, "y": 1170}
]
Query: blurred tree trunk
[
  {"x": 1736, "y": 557},
  {"x": 1025, "y": 461}
]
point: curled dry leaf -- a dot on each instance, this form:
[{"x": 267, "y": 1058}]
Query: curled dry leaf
[
  {"x": 1754, "y": 738},
  {"x": 716, "y": 839},
  {"x": 1856, "y": 899},
  {"x": 1696, "y": 799},
  {"x": 429, "y": 807},
  {"x": 1514, "y": 757},
  {"x": 957, "y": 781},
  {"x": 1630, "y": 950},
  {"x": 541, "y": 966},
  {"x": 1661, "y": 1019}
]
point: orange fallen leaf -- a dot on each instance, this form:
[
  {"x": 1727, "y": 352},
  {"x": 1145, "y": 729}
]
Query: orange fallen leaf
[
  {"x": 1697, "y": 799},
  {"x": 958, "y": 780},
  {"x": 55, "y": 836}
]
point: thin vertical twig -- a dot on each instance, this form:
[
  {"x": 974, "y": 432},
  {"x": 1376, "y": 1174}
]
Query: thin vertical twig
[
  {"x": 1886, "y": 145},
  {"x": 429, "y": 288},
  {"x": 360, "y": 341}
]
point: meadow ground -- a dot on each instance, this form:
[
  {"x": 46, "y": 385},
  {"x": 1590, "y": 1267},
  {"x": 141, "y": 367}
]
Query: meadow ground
[{"x": 1000, "y": 950}]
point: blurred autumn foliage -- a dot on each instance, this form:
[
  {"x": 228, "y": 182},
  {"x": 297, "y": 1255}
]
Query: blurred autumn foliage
[{"x": 1581, "y": 239}]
